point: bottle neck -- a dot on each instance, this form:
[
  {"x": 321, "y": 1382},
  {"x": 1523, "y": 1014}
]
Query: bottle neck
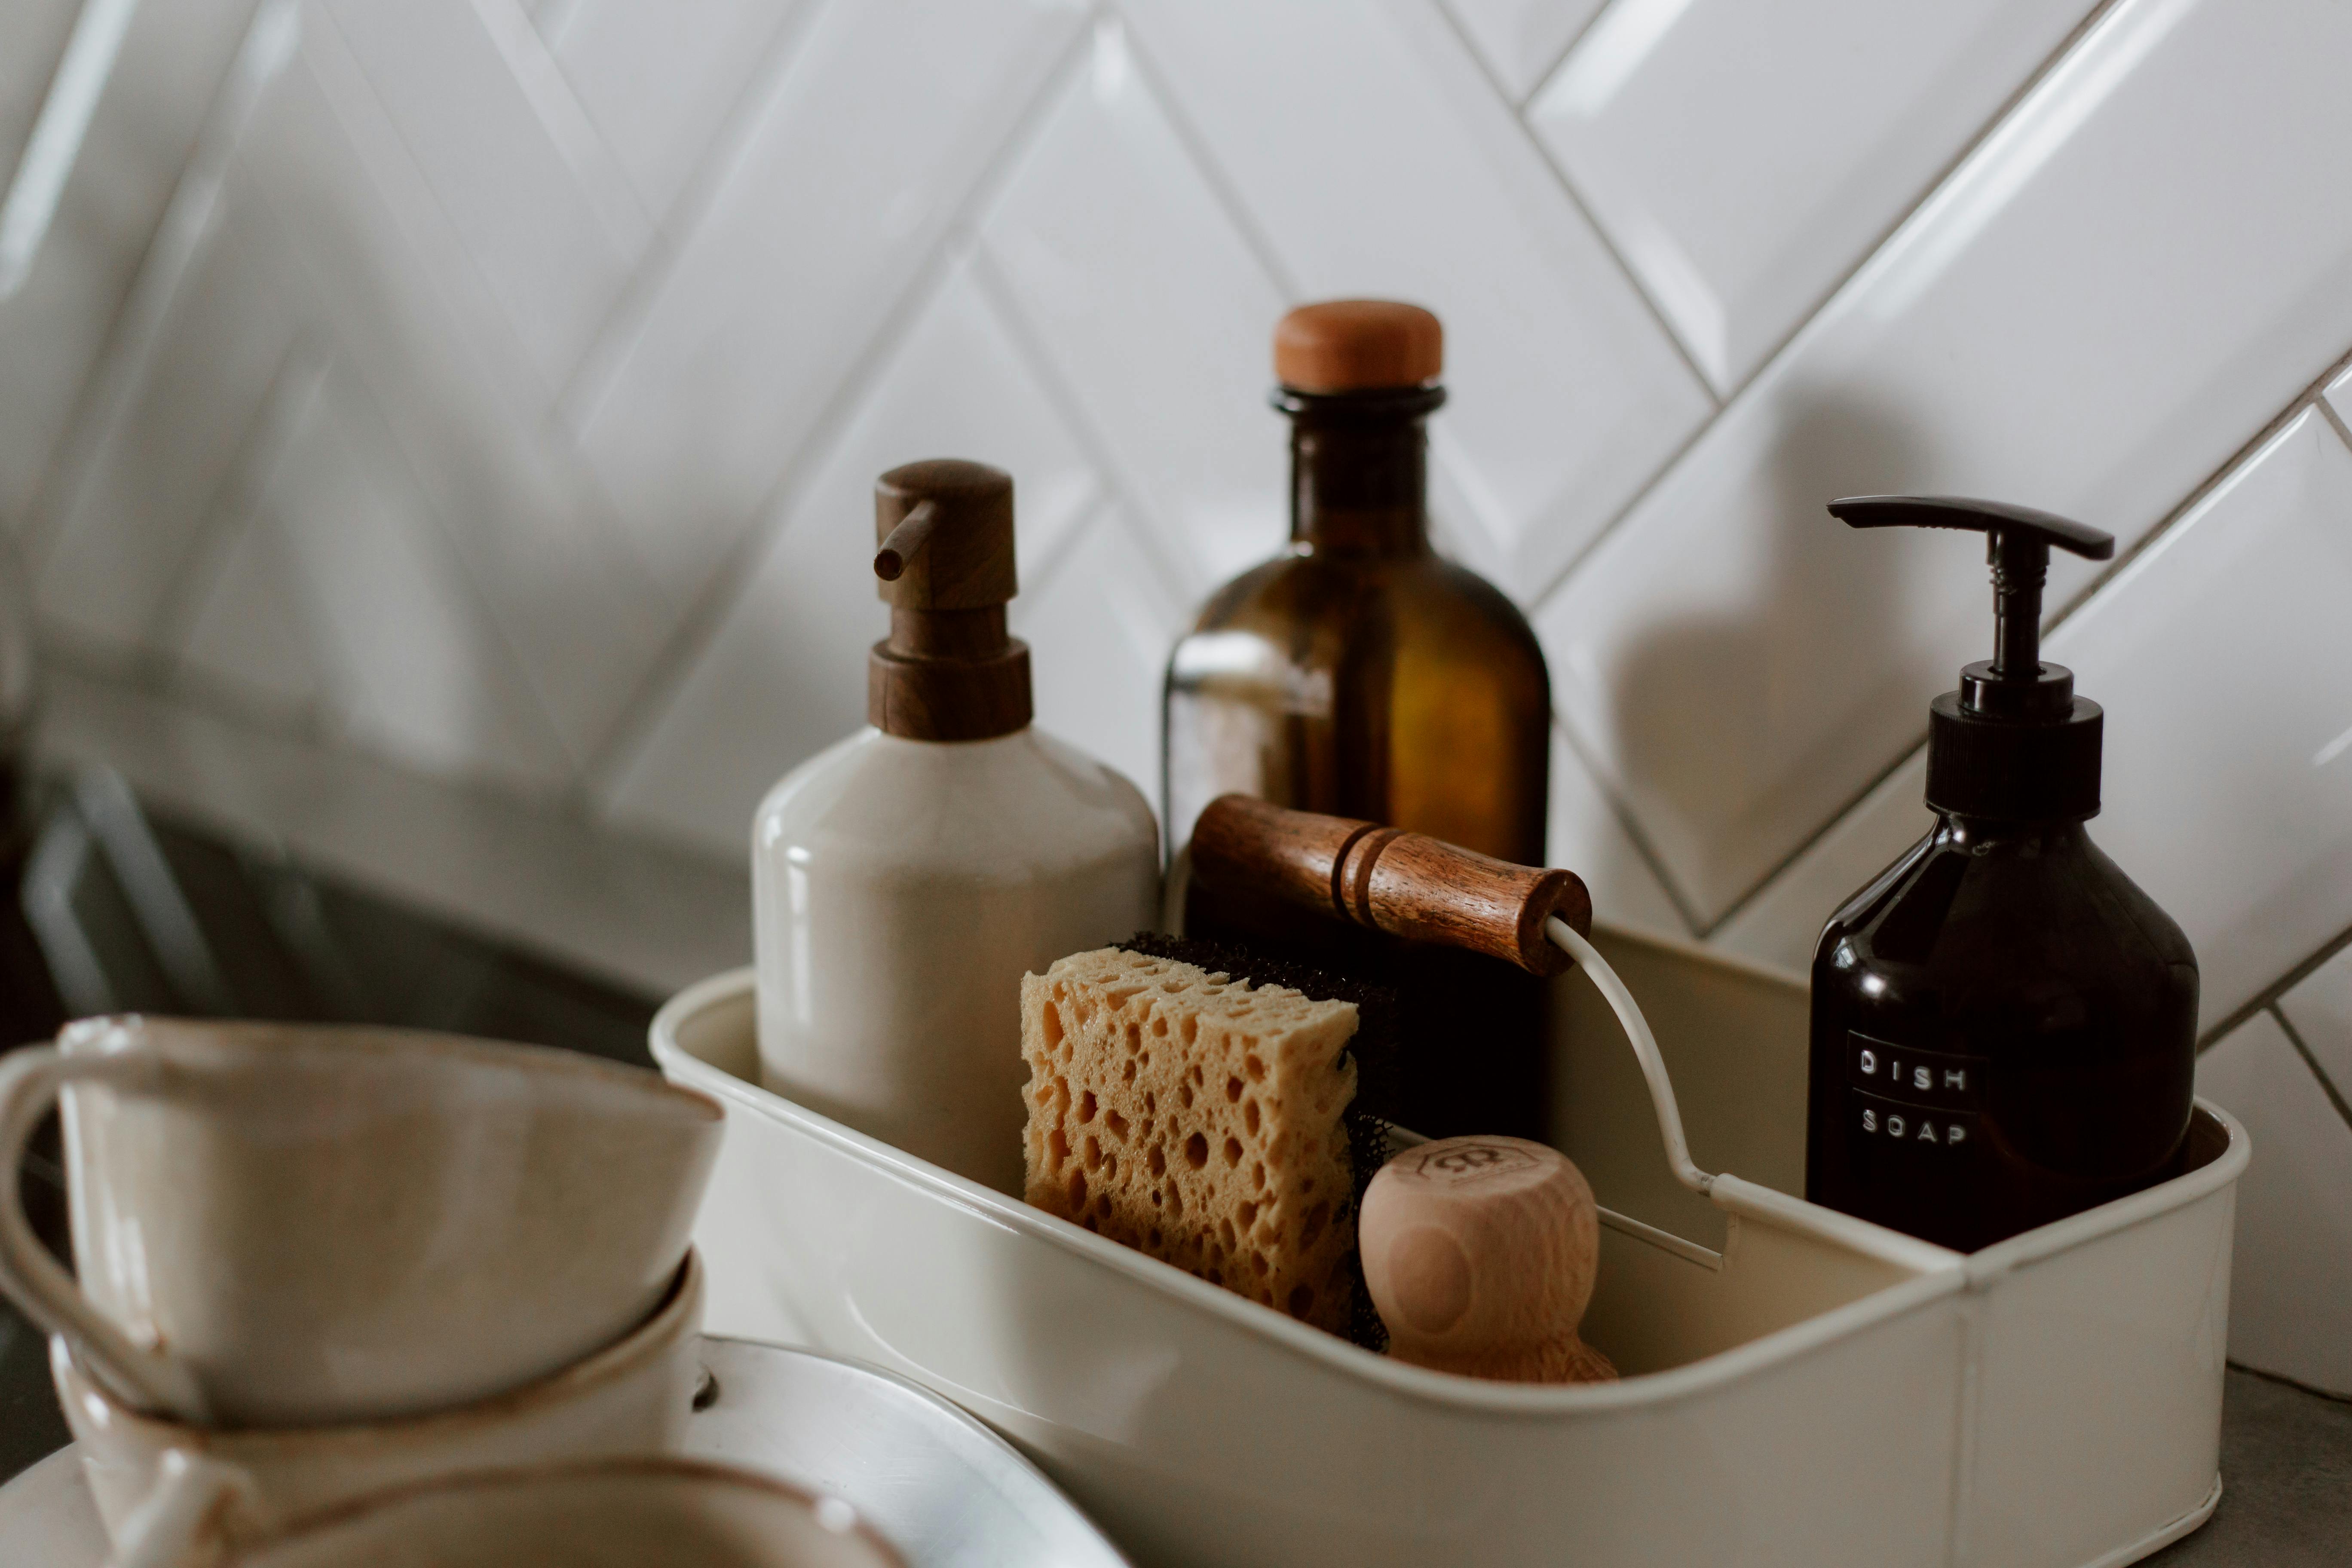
[
  {"x": 948, "y": 675},
  {"x": 1979, "y": 832},
  {"x": 1359, "y": 470}
]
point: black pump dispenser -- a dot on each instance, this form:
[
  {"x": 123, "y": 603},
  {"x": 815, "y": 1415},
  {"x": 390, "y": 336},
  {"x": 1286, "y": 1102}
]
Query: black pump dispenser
[
  {"x": 2013, "y": 743},
  {"x": 2003, "y": 1025}
]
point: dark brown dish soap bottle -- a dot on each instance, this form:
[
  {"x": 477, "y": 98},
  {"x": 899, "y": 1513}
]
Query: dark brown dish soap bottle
[
  {"x": 2003, "y": 1025},
  {"x": 1361, "y": 674}
]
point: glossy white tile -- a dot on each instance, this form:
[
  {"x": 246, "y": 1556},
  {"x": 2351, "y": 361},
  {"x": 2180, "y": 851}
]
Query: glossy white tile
[
  {"x": 164, "y": 463},
  {"x": 54, "y": 327},
  {"x": 1586, "y": 835},
  {"x": 2291, "y": 1268},
  {"x": 543, "y": 207},
  {"x": 418, "y": 671},
  {"x": 1522, "y": 40},
  {"x": 2223, "y": 658},
  {"x": 1782, "y": 922},
  {"x": 784, "y": 674},
  {"x": 888, "y": 114},
  {"x": 1370, "y": 151},
  {"x": 33, "y": 35},
  {"x": 1100, "y": 633},
  {"x": 326, "y": 190},
  {"x": 249, "y": 640},
  {"x": 1155, "y": 314},
  {"x": 661, "y": 79},
  {"x": 2118, "y": 290},
  {"x": 2337, "y": 394},
  {"x": 1745, "y": 157},
  {"x": 2320, "y": 1010}
]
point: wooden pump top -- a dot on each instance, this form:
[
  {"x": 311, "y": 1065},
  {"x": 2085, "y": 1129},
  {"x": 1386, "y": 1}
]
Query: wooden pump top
[
  {"x": 948, "y": 671},
  {"x": 1358, "y": 345}
]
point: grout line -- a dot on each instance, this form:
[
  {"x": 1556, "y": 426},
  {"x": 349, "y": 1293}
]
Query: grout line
[
  {"x": 1101, "y": 512},
  {"x": 1600, "y": 230},
  {"x": 598, "y": 369},
  {"x": 683, "y": 648},
  {"x": 1591, "y": 546},
  {"x": 2326, "y": 409},
  {"x": 1161, "y": 87},
  {"x": 1936, "y": 181},
  {"x": 135, "y": 336},
  {"x": 522, "y": 689},
  {"x": 284, "y": 409},
  {"x": 2303, "y": 1049},
  {"x": 1724, "y": 401},
  {"x": 28, "y": 202},
  {"x": 309, "y": 720},
  {"x": 552, "y": 18},
  {"x": 2270, "y": 994},
  {"x": 2227, "y": 469},
  {"x": 2311, "y": 396},
  {"x": 1543, "y": 78},
  {"x": 383, "y": 126},
  {"x": 214, "y": 700},
  {"x": 1682, "y": 908},
  {"x": 1836, "y": 819},
  {"x": 1111, "y": 475}
]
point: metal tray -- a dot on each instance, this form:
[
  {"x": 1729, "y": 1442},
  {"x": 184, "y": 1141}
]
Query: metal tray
[
  {"x": 943, "y": 1488},
  {"x": 1802, "y": 1387}
]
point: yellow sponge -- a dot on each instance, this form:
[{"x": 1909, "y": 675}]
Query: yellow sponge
[{"x": 1196, "y": 1118}]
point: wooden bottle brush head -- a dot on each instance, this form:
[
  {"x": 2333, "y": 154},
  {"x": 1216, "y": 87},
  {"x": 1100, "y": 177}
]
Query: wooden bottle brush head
[
  {"x": 948, "y": 671},
  {"x": 1480, "y": 1254}
]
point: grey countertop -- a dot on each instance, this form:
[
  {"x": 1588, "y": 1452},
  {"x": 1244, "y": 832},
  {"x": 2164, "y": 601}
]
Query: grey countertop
[{"x": 2287, "y": 1482}]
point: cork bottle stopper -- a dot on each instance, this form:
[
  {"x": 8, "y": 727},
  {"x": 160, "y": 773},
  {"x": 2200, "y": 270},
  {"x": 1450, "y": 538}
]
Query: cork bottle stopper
[
  {"x": 1479, "y": 1254},
  {"x": 944, "y": 561},
  {"x": 1358, "y": 345}
]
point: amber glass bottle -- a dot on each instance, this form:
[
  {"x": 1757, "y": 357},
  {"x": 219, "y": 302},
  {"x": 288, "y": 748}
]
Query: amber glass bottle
[{"x": 1361, "y": 674}]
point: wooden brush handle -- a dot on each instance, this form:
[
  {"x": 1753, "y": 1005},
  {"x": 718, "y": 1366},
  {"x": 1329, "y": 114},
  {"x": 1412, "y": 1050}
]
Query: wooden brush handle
[{"x": 1407, "y": 884}]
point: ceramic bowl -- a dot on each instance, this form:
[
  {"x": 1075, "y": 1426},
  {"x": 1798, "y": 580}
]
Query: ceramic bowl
[{"x": 283, "y": 1225}]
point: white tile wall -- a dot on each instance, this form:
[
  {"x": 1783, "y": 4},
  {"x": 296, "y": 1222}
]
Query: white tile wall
[
  {"x": 1108, "y": 599},
  {"x": 496, "y": 387},
  {"x": 54, "y": 330},
  {"x": 1112, "y": 245},
  {"x": 783, "y": 675},
  {"x": 1521, "y": 39},
  {"x": 1375, "y": 156},
  {"x": 2118, "y": 290},
  {"x": 661, "y": 82},
  {"x": 2290, "y": 1273},
  {"x": 2223, "y": 657},
  {"x": 1743, "y": 168},
  {"x": 844, "y": 186}
]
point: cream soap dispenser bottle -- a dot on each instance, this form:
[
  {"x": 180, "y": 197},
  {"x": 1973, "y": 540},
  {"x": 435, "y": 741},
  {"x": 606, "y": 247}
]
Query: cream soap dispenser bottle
[{"x": 905, "y": 879}]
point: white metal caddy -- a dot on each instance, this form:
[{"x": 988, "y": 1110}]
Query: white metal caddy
[{"x": 1801, "y": 1387}]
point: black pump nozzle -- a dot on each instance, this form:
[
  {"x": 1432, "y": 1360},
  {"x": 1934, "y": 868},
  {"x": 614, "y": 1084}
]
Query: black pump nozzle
[
  {"x": 2005, "y": 771},
  {"x": 2017, "y": 542}
]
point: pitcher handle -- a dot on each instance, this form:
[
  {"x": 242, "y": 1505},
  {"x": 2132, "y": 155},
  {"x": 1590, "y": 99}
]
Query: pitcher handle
[{"x": 30, "y": 1079}]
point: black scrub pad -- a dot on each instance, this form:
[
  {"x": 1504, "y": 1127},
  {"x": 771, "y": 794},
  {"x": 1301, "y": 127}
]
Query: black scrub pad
[{"x": 1375, "y": 1048}]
